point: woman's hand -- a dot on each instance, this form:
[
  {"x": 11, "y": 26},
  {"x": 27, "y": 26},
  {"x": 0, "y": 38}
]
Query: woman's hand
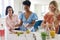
[
  {"x": 10, "y": 29},
  {"x": 43, "y": 25},
  {"x": 19, "y": 24},
  {"x": 29, "y": 25}
]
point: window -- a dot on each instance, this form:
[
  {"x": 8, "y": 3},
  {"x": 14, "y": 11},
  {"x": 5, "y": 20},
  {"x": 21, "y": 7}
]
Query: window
[
  {"x": 40, "y": 10},
  {"x": 0, "y": 7}
]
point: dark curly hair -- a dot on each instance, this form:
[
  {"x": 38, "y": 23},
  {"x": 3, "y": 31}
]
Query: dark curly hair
[
  {"x": 27, "y": 2},
  {"x": 6, "y": 13}
]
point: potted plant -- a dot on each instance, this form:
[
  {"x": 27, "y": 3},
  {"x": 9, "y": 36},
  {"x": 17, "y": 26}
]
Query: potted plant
[{"x": 43, "y": 35}]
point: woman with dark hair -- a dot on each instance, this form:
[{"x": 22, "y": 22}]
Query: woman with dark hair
[
  {"x": 28, "y": 18},
  {"x": 11, "y": 18},
  {"x": 7, "y": 10}
]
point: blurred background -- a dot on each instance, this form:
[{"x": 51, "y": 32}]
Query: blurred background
[{"x": 40, "y": 7}]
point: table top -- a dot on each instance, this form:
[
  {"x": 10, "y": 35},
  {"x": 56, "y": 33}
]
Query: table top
[{"x": 12, "y": 36}]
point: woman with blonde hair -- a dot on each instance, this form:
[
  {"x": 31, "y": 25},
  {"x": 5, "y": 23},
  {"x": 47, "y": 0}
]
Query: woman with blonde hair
[{"x": 51, "y": 17}]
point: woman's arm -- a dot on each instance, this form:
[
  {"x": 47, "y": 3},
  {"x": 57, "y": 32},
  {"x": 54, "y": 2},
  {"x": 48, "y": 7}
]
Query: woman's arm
[
  {"x": 56, "y": 28},
  {"x": 43, "y": 24},
  {"x": 31, "y": 24},
  {"x": 20, "y": 23},
  {"x": 8, "y": 26}
]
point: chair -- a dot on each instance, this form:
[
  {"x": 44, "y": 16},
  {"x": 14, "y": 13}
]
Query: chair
[{"x": 38, "y": 23}]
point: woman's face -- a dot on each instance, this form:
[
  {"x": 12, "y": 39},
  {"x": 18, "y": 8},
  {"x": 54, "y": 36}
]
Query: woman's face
[
  {"x": 26, "y": 8},
  {"x": 52, "y": 7},
  {"x": 10, "y": 11}
]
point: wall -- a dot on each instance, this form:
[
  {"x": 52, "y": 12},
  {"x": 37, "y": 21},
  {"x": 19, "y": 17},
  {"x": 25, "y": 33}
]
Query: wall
[
  {"x": 59, "y": 6},
  {"x": 18, "y": 6},
  {"x": 37, "y": 7}
]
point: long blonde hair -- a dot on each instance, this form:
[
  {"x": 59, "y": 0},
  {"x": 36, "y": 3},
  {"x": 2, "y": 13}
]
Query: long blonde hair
[{"x": 56, "y": 5}]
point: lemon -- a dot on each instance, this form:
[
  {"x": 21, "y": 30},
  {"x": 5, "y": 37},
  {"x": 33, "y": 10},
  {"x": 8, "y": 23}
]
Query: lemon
[{"x": 27, "y": 31}]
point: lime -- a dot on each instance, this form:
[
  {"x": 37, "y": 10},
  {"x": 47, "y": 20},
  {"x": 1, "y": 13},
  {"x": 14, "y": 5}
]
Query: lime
[{"x": 27, "y": 31}]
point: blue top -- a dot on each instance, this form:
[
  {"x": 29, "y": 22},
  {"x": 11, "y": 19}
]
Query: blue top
[{"x": 31, "y": 18}]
